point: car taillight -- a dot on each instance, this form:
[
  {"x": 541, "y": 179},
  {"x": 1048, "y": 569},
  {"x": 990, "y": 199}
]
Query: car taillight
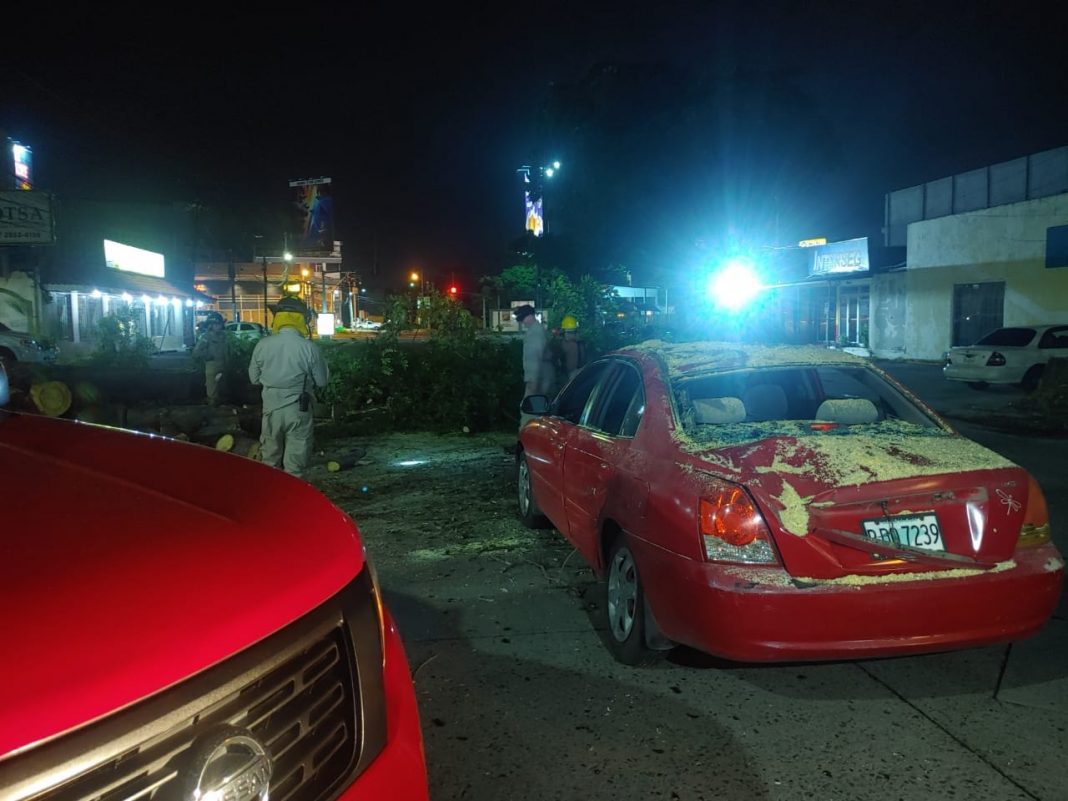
[
  {"x": 995, "y": 360},
  {"x": 733, "y": 530},
  {"x": 1035, "y": 528}
]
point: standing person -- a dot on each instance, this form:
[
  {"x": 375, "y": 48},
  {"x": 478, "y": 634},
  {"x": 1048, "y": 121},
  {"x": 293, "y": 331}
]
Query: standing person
[
  {"x": 214, "y": 348},
  {"x": 573, "y": 347},
  {"x": 539, "y": 374},
  {"x": 290, "y": 368}
]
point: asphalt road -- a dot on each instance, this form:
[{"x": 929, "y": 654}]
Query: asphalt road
[{"x": 520, "y": 699}]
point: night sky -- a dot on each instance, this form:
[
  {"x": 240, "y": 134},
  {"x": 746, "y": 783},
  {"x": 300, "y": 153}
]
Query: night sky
[{"x": 682, "y": 128}]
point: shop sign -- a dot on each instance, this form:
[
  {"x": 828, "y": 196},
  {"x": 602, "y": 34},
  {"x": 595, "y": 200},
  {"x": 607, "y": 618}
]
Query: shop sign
[{"x": 26, "y": 218}]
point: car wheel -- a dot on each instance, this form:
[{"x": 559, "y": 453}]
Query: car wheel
[
  {"x": 625, "y": 607},
  {"x": 529, "y": 511},
  {"x": 977, "y": 384},
  {"x": 1031, "y": 378}
]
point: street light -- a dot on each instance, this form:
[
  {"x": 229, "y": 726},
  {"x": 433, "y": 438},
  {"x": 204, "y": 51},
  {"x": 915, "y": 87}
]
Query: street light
[{"x": 734, "y": 284}]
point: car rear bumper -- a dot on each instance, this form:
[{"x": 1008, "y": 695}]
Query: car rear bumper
[
  {"x": 979, "y": 372},
  {"x": 399, "y": 771},
  {"x": 760, "y": 614}
]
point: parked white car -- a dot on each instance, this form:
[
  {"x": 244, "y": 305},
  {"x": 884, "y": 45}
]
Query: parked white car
[
  {"x": 246, "y": 330},
  {"x": 1011, "y": 355},
  {"x": 18, "y": 346}
]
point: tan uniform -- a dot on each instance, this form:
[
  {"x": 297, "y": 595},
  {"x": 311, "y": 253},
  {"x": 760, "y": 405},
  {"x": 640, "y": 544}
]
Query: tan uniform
[
  {"x": 287, "y": 365},
  {"x": 214, "y": 349}
]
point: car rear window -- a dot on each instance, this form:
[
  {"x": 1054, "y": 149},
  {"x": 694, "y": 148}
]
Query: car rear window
[
  {"x": 744, "y": 405},
  {"x": 1008, "y": 337}
]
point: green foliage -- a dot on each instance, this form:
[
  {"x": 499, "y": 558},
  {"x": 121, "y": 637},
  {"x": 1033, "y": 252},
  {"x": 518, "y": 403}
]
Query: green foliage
[
  {"x": 520, "y": 281},
  {"x": 119, "y": 344},
  {"x": 238, "y": 357},
  {"x": 398, "y": 317},
  {"x": 447, "y": 319},
  {"x": 445, "y": 383}
]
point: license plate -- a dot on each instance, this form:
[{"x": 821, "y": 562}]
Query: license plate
[{"x": 910, "y": 531}]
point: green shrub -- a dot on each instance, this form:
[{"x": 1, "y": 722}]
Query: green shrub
[
  {"x": 450, "y": 381},
  {"x": 118, "y": 342}
]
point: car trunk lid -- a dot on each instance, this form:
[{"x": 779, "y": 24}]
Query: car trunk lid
[{"x": 845, "y": 503}]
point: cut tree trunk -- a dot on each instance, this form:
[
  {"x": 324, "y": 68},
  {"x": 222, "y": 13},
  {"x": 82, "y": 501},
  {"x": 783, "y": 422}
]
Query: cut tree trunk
[
  {"x": 241, "y": 445},
  {"x": 345, "y": 461}
]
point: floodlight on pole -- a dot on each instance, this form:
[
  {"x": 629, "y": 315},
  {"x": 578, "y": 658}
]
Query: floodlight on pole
[{"x": 734, "y": 284}]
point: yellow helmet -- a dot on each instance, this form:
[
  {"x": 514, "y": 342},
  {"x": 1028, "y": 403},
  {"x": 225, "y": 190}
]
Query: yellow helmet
[{"x": 569, "y": 323}]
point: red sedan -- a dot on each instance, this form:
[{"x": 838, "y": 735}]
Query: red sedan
[{"x": 780, "y": 503}]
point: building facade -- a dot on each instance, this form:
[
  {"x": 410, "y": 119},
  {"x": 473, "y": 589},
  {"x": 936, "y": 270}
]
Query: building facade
[{"x": 967, "y": 274}]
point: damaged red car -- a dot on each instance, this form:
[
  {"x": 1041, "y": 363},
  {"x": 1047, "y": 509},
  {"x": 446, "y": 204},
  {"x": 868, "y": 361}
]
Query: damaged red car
[{"x": 783, "y": 503}]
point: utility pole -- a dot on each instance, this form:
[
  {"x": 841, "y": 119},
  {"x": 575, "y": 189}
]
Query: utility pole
[
  {"x": 233, "y": 285},
  {"x": 265, "y": 291}
]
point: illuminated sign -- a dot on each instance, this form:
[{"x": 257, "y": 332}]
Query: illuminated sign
[
  {"x": 25, "y": 218},
  {"x": 850, "y": 256},
  {"x": 22, "y": 165},
  {"x": 133, "y": 260},
  {"x": 811, "y": 243},
  {"x": 324, "y": 325},
  {"x": 535, "y": 218},
  {"x": 315, "y": 203}
]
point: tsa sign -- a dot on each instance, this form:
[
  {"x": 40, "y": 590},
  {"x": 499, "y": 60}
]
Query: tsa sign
[
  {"x": 25, "y": 218},
  {"x": 850, "y": 256}
]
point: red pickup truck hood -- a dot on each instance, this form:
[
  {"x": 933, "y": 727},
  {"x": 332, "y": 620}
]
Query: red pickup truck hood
[{"x": 130, "y": 562}]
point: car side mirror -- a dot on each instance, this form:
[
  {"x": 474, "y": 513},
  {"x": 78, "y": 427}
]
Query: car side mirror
[{"x": 535, "y": 404}]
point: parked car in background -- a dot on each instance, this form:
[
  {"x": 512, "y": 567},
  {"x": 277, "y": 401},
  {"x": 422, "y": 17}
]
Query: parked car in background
[
  {"x": 362, "y": 324},
  {"x": 19, "y": 346},
  {"x": 191, "y": 624},
  {"x": 247, "y": 330},
  {"x": 783, "y": 503},
  {"x": 1013, "y": 355}
]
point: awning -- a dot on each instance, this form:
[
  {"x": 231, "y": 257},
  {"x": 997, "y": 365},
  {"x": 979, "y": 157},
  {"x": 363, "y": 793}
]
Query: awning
[{"x": 130, "y": 283}]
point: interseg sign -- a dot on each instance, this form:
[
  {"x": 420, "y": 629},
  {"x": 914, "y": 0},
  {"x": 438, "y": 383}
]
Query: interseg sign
[
  {"x": 26, "y": 218},
  {"x": 850, "y": 256}
]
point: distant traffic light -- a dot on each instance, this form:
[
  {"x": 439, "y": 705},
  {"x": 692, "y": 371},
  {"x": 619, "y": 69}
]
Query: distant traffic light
[{"x": 453, "y": 290}]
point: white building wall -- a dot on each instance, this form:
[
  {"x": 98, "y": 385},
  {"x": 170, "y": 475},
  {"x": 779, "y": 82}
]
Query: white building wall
[
  {"x": 11, "y": 312},
  {"x": 1004, "y": 243}
]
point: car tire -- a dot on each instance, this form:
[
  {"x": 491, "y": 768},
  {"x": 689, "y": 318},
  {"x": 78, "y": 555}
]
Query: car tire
[
  {"x": 624, "y": 607},
  {"x": 977, "y": 384},
  {"x": 529, "y": 511},
  {"x": 1032, "y": 378}
]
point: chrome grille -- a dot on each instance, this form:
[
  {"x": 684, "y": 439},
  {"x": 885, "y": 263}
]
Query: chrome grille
[
  {"x": 312, "y": 693},
  {"x": 304, "y": 711}
]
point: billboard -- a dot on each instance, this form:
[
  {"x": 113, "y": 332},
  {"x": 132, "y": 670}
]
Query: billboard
[
  {"x": 25, "y": 218},
  {"x": 129, "y": 259},
  {"x": 315, "y": 205},
  {"x": 850, "y": 256},
  {"x": 21, "y": 164},
  {"x": 535, "y": 217}
]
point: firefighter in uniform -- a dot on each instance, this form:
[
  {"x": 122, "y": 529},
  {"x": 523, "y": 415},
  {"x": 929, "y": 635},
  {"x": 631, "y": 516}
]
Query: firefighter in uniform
[{"x": 290, "y": 367}]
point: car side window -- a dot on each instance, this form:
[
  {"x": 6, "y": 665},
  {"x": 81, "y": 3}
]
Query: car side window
[
  {"x": 1055, "y": 338},
  {"x": 634, "y": 413},
  {"x": 617, "y": 400},
  {"x": 571, "y": 403}
]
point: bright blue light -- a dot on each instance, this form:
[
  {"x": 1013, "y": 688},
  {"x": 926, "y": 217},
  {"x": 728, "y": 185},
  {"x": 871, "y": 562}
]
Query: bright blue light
[
  {"x": 556, "y": 165},
  {"x": 735, "y": 284},
  {"x": 549, "y": 172}
]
